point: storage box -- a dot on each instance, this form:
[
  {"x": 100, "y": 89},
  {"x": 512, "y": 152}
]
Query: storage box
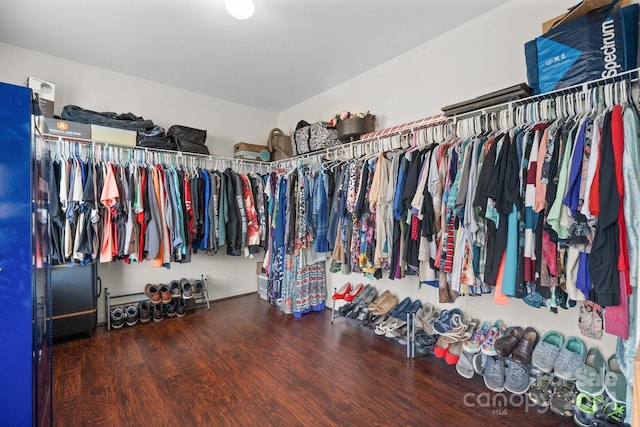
[
  {"x": 45, "y": 92},
  {"x": 245, "y": 151},
  {"x": 579, "y": 10},
  {"x": 67, "y": 129},
  {"x": 114, "y": 136},
  {"x": 262, "y": 287}
]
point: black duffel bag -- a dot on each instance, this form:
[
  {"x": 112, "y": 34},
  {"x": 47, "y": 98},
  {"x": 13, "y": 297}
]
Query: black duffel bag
[
  {"x": 160, "y": 142},
  {"x": 189, "y": 140},
  {"x": 128, "y": 121}
]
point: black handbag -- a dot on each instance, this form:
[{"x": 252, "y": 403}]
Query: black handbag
[{"x": 188, "y": 139}]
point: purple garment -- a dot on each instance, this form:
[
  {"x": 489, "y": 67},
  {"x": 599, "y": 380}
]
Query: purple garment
[
  {"x": 583, "y": 279},
  {"x": 572, "y": 198}
]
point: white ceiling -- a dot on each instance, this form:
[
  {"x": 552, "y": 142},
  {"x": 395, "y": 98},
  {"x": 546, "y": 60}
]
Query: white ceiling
[{"x": 289, "y": 51}]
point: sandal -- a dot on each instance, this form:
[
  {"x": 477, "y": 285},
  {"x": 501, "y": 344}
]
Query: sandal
[
  {"x": 563, "y": 398},
  {"x": 540, "y": 391},
  {"x": 446, "y": 320}
]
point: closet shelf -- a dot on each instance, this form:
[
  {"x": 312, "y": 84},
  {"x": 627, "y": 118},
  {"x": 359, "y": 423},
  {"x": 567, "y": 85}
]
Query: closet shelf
[{"x": 371, "y": 141}]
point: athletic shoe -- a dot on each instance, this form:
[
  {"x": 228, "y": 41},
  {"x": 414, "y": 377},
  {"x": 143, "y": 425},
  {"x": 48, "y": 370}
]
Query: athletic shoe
[
  {"x": 181, "y": 307},
  {"x": 131, "y": 312},
  {"x": 545, "y": 354},
  {"x": 187, "y": 289},
  {"x": 174, "y": 288},
  {"x": 495, "y": 332},
  {"x": 570, "y": 359},
  {"x": 494, "y": 373},
  {"x": 117, "y": 317},
  {"x": 157, "y": 313},
  {"x": 517, "y": 379},
  {"x": 146, "y": 312},
  {"x": 474, "y": 345},
  {"x": 586, "y": 408},
  {"x": 198, "y": 289}
]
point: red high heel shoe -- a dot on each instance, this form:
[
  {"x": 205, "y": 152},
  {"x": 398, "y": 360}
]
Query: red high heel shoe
[
  {"x": 343, "y": 292},
  {"x": 353, "y": 293}
]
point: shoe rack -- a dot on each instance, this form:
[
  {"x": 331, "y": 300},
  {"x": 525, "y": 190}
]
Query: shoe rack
[
  {"x": 409, "y": 336},
  {"x": 124, "y": 300}
]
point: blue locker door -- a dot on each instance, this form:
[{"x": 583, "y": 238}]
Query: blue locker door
[{"x": 20, "y": 349}]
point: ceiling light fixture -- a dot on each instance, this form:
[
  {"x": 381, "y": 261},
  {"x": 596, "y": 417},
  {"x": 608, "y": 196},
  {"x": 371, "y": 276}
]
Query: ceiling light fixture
[{"x": 240, "y": 9}]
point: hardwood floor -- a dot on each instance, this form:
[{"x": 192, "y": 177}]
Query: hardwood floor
[{"x": 244, "y": 363}]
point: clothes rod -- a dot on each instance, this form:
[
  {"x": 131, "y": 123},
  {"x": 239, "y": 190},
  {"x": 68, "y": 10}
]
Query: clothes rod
[
  {"x": 626, "y": 75},
  {"x": 441, "y": 119}
]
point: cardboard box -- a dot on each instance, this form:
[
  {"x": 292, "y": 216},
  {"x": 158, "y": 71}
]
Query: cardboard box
[
  {"x": 579, "y": 10},
  {"x": 45, "y": 92},
  {"x": 245, "y": 151},
  {"x": 67, "y": 129},
  {"x": 114, "y": 136}
]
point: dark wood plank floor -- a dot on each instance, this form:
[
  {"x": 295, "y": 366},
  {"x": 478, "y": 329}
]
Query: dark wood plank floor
[{"x": 244, "y": 363}]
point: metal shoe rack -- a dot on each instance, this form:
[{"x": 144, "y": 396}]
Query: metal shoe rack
[
  {"x": 138, "y": 297},
  {"x": 411, "y": 329}
]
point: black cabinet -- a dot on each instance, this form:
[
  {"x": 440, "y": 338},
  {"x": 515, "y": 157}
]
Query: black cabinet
[{"x": 75, "y": 297}]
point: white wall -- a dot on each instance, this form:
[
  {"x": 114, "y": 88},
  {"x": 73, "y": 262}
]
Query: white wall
[
  {"x": 482, "y": 56},
  {"x": 101, "y": 90}
]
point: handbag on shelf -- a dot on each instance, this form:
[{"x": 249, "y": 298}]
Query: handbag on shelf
[
  {"x": 317, "y": 136},
  {"x": 279, "y": 144},
  {"x": 188, "y": 139}
]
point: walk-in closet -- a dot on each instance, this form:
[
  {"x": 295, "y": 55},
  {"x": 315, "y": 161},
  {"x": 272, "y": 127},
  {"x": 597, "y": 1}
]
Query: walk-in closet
[{"x": 241, "y": 213}]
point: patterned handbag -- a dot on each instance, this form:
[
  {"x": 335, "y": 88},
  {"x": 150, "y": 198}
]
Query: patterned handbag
[{"x": 313, "y": 137}]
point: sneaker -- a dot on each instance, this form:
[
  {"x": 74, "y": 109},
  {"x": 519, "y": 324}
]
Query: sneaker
[
  {"x": 117, "y": 317},
  {"x": 157, "y": 313},
  {"x": 165, "y": 294},
  {"x": 170, "y": 308},
  {"x": 181, "y": 306},
  {"x": 591, "y": 376},
  {"x": 198, "y": 289},
  {"x": 174, "y": 288},
  {"x": 146, "y": 312},
  {"x": 153, "y": 293},
  {"x": 131, "y": 312},
  {"x": 546, "y": 351},
  {"x": 474, "y": 345},
  {"x": 517, "y": 379},
  {"x": 495, "y": 332},
  {"x": 494, "y": 373},
  {"x": 187, "y": 289},
  {"x": 479, "y": 363},
  {"x": 586, "y": 408},
  {"x": 614, "y": 412},
  {"x": 570, "y": 359}
]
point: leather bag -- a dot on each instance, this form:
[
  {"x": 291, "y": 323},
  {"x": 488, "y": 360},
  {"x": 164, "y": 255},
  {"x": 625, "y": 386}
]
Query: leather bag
[{"x": 279, "y": 144}]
